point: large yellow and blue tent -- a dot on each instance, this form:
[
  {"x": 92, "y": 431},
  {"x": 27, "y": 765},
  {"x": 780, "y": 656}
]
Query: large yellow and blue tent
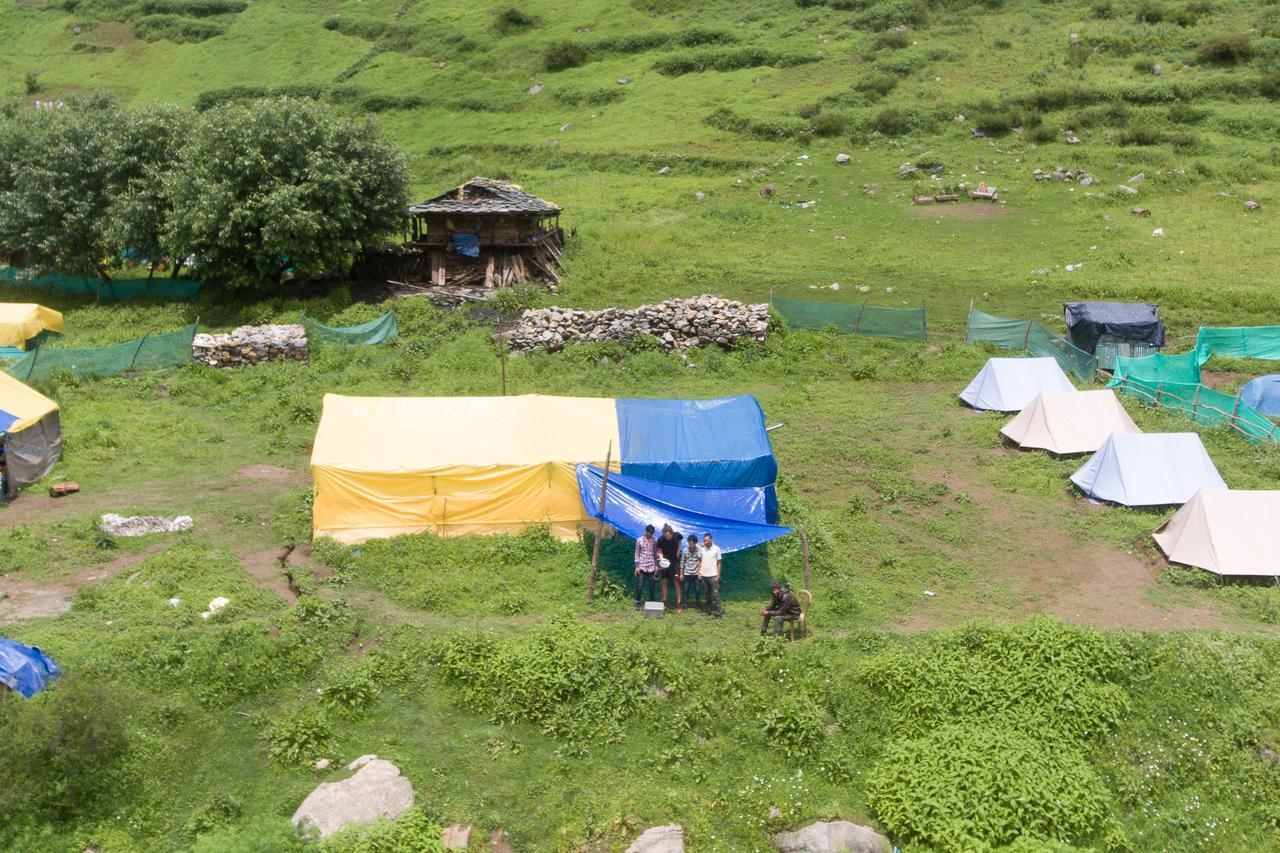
[
  {"x": 386, "y": 466},
  {"x": 21, "y": 322},
  {"x": 30, "y": 433}
]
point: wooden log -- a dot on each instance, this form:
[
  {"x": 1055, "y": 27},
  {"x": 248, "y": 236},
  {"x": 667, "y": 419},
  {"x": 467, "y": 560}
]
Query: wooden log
[
  {"x": 488, "y": 272},
  {"x": 58, "y": 490},
  {"x": 922, "y": 199},
  {"x": 978, "y": 194},
  {"x": 946, "y": 197}
]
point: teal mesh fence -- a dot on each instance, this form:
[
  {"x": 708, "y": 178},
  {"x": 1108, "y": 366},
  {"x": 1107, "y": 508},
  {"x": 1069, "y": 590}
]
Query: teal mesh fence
[
  {"x": 151, "y": 352},
  {"x": 376, "y": 331},
  {"x": 1203, "y": 405},
  {"x": 175, "y": 289},
  {"x": 1033, "y": 337},
  {"x": 1262, "y": 342},
  {"x": 907, "y": 324},
  {"x": 1182, "y": 368}
]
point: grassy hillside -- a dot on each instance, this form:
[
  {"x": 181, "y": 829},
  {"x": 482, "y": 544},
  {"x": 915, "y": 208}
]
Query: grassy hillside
[{"x": 1109, "y": 701}]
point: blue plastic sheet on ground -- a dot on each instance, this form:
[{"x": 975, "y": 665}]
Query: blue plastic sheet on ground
[
  {"x": 1262, "y": 394},
  {"x": 735, "y": 518},
  {"x": 467, "y": 245},
  {"x": 25, "y": 669},
  {"x": 718, "y": 444}
]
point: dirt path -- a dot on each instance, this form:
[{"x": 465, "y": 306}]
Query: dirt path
[{"x": 20, "y": 599}]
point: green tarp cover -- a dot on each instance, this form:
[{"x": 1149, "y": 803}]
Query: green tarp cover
[
  {"x": 1183, "y": 367},
  {"x": 177, "y": 289},
  {"x": 906, "y": 324},
  {"x": 1202, "y": 404},
  {"x": 1033, "y": 337},
  {"x": 152, "y": 352},
  {"x": 376, "y": 331},
  {"x": 1261, "y": 342}
]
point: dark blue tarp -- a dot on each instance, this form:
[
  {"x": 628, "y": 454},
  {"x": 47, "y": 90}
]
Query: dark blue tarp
[
  {"x": 735, "y": 518},
  {"x": 467, "y": 245},
  {"x": 25, "y": 669},
  {"x": 718, "y": 444},
  {"x": 1262, "y": 394},
  {"x": 6, "y": 419},
  {"x": 1132, "y": 321}
]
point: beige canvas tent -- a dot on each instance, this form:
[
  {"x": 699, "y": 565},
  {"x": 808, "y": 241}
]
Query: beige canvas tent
[
  {"x": 1225, "y": 532},
  {"x": 1069, "y": 422}
]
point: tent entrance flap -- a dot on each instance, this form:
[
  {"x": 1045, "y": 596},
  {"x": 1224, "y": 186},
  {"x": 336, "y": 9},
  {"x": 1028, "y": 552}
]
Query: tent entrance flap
[{"x": 735, "y": 518}]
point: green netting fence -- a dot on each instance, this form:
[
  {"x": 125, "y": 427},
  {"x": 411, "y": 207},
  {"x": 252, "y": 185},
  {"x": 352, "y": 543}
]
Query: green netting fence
[
  {"x": 1182, "y": 368},
  {"x": 174, "y": 289},
  {"x": 150, "y": 352},
  {"x": 1034, "y": 337},
  {"x": 1262, "y": 342},
  {"x": 1202, "y": 404},
  {"x": 907, "y": 324},
  {"x": 377, "y": 331}
]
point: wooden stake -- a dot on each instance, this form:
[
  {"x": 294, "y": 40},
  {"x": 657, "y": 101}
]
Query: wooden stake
[
  {"x": 595, "y": 550},
  {"x": 804, "y": 551}
]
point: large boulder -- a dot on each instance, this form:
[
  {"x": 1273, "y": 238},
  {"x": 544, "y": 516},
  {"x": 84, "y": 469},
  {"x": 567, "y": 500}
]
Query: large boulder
[
  {"x": 835, "y": 836},
  {"x": 660, "y": 839},
  {"x": 376, "y": 790}
]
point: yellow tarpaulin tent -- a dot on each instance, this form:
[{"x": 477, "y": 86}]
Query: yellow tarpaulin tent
[
  {"x": 22, "y": 321},
  {"x": 385, "y": 466}
]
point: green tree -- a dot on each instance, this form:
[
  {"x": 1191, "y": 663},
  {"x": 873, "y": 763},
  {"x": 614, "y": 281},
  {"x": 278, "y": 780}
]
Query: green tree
[{"x": 281, "y": 189}]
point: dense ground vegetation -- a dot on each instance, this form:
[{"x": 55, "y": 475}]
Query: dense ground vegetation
[{"x": 1068, "y": 716}]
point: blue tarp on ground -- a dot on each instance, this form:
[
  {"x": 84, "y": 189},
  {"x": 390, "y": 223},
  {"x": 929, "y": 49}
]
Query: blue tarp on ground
[
  {"x": 1262, "y": 394},
  {"x": 735, "y": 518},
  {"x": 25, "y": 669},
  {"x": 1148, "y": 469},
  {"x": 717, "y": 444}
]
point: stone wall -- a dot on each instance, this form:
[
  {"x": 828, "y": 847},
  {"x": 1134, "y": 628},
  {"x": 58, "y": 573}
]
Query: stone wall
[
  {"x": 252, "y": 345},
  {"x": 677, "y": 324}
]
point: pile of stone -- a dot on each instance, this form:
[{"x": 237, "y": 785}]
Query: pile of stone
[
  {"x": 676, "y": 324},
  {"x": 1080, "y": 176},
  {"x": 142, "y": 525},
  {"x": 252, "y": 345}
]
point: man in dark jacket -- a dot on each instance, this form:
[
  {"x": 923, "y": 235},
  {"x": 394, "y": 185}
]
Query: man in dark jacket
[{"x": 784, "y": 607}]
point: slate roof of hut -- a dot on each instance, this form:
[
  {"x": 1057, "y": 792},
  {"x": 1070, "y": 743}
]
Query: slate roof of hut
[{"x": 485, "y": 196}]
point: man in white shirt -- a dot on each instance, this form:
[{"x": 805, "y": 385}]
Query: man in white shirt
[{"x": 709, "y": 572}]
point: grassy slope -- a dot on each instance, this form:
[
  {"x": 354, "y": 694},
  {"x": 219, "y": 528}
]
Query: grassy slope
[{"x": 900, "y": 489}]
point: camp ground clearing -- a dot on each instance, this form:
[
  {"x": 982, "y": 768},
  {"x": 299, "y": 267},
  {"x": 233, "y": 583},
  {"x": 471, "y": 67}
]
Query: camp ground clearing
[{"x": 1007, "y": 648}]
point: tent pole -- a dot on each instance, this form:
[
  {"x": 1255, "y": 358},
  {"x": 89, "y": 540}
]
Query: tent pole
[
  {"x": 804, "y": 551},
  {"x": 595, "y": 549}
]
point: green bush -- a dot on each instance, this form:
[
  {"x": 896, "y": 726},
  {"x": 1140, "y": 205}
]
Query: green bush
[
  {"x": 965, "y": 786},
  {"x": 829, "y": 124},
  {"x": 194, "y": 8},
  {"x": 512, "y": 19},
  {"x": 1225, "y": 49},
  {"x": 596, "y": 97},
  {"x": 301, "y": 737},
  {"x": 411, "y": 831},
  {"x": 560, "y": 55},
  {"x": 795, "y": 725},
  {"x": 1103, "y": 10},
  {"x": 382, "y": 102},
  {"x": 1141, "y": 134},
  {"x": 61, "y": 752},
  {"x": 891, "y": 40},
  {"x": 726, "y": 59},
  {"x": 176, "y": 28},
  {"x": 891, "y": 121},
  {"x": 877, "y": 85},
  {"x": 1149, "y": 12}
]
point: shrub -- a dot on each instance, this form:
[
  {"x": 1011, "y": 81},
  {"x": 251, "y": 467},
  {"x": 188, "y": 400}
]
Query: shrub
[
  {"x": 1225, "y": 49},
  {"x": 829, "y": 124},
  {"x": 589, "y": 97},
  {"x": 876, "y": 85},
  {"x": 61, "y": 750},
  {"x": 511, "y": 19},
  {"x": 891, "y": 121},
  {"x": 1141, "y": 134},
  {"x": 560, "y": 55},
  {"x": 891, "y": 40},
  {"x": 378, "y": 103},
  {"x": 728, "y": 59},
  {"x": 31, "y": 83},
  {"x": 1102, "y": 10},
  {"x": 353, "y": 694},
  {"x": 1190, "y": 14},
  {"x": 300, "y": 737},
  {"x": 1149, "y": 13},
  {"x": 1269, "y": 86},
  {"x": 1181, "y": 113},
  {"x": 194, "y": 8},
  {"x": 969, "y": 786},
  {"x": 412, "y": 830},
  {"x": 176, "y": 28},
  {"x": 796, "y": 725},
  {"x": 1041, "y": 135}
]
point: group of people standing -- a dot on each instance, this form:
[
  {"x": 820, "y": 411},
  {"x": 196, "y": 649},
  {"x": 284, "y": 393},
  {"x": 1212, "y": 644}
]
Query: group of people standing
[{"x": 693, "y": 568}]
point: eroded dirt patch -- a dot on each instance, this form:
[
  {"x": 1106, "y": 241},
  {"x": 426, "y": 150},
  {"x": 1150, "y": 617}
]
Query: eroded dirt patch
[
  {"x": 267, "y": 473},
  {"x": 21, "y": 599},
  {"x": 970, "y": 210}
]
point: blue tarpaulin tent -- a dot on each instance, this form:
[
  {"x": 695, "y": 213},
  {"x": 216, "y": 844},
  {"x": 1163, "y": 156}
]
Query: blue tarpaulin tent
[
  {"x": 719, "y": 444},
  {"x": 735, "y": 518},
  {"x": 25, "y": 669},
  {"x": 1263, "y": 395},
  {"x": 1148, "y": 469}
]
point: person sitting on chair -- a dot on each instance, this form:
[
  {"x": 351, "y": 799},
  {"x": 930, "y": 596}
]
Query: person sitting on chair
[{"x": 784, "y": 607}]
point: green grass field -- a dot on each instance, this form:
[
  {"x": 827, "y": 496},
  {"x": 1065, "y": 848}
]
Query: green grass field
[{"x": 1062, "y": 685}]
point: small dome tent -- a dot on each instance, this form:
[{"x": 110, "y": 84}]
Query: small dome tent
[
  {"x": 1148, "y": 469},
  {"x": 1262, "y": 395},
  {"x": 1009, "y": 384},
  {"x": 1227, "y": 532},
  {"x": 1065, "y": 423}
]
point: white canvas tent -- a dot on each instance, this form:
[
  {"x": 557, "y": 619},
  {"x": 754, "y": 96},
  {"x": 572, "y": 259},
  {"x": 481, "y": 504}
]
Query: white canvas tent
[
  {"x": 1225, "y": 532},
  {"x": 1009, "y": 384},
  {"x": 1148, "y": 469},
  {"x": 1072, "y": 422}
]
